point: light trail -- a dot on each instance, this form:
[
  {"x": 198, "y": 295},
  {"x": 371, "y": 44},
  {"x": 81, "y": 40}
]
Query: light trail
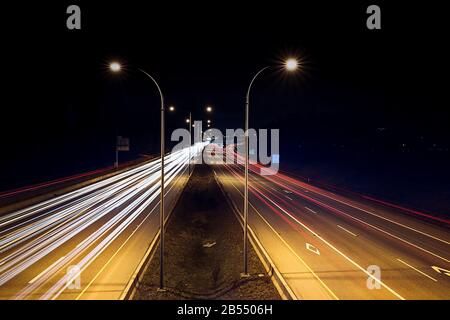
[
  {"x": 101, "y": 211},
  {"x": 323, "y": 218}
]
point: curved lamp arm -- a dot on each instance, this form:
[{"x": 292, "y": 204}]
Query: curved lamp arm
[
  {"x": 251, "y": 82},
  {"x": 156, "y": 83}
]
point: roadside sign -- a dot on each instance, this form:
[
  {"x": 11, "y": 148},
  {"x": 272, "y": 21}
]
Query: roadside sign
[{"x": 123, "y": 144}]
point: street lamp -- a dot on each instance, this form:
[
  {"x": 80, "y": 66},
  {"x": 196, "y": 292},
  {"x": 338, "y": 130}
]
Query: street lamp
[
  {"x": 189, "y": 121},
  {"x": 290, "y": 64},
  {"x": 172, "y": 108},
  {"x": 116, "y": 67},
  {"x": 192, "y": 125}
]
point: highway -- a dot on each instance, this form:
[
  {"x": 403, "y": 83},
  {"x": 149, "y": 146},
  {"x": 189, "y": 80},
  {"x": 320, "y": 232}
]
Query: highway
[
  {"x": 340, "y": 246},
  {"x": 87, "y": 243},
  {"x": 326, "y": 244}
]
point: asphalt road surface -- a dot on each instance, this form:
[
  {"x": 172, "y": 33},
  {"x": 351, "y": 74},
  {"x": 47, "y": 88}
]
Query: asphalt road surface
[
  {"x": 87, "y": 243},
  {"x": 336, "y": 246}
]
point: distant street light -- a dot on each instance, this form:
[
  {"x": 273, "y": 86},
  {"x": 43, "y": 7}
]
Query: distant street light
[
  {"x": 290, "y": 65},
  {"x": 116, "y": 67},
  {"x": 171, "y": 108},
  {"x": 189, "y": 121}
]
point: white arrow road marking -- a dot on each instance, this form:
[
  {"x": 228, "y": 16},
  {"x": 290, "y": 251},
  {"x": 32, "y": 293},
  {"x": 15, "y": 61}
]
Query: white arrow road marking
[
  {"x": 441, "y": 270},
  {"x": 310, "y": 247},
  {"x": 417, "y": 270}
]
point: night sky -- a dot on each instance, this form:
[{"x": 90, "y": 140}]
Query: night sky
[{"x": 362, "y": 90}]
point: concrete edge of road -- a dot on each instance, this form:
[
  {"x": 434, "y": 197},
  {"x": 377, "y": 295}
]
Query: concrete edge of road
[
  {"x": 138, "y": 274},
  {"x": 277, "y": 278},
  {"x": 48, "y": 195}
]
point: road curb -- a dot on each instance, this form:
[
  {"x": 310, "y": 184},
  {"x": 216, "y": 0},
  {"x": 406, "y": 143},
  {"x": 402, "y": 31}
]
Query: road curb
[{"x": 277, "y": 278}]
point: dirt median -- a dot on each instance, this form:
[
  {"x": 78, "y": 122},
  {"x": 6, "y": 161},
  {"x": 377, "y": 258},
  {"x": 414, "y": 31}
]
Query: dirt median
[{"x": 204, "y": 250}]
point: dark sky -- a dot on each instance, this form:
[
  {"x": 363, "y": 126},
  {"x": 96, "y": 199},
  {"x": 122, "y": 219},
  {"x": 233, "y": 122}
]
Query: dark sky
[{"x": 62, "y": 106}]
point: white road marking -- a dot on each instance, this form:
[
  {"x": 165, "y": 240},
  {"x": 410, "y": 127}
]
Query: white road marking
[
  {"x": 438, "y": 270},
  {"x": 417, "y": 270},
  {"x": 287, "y": 245},
  {"x": 384, "y": 218},
  {"x": 289, "y": 198},
  {"x": 310, "y": 210},
  {"x": 338, "y": 251},
  {"x": 347, "y": 230},
  {"x": 42, "y": 273},
  {"x": 311, "y": 248},
  {"x": 287, "y": 191},
  {"x": 322, "y": 204}
]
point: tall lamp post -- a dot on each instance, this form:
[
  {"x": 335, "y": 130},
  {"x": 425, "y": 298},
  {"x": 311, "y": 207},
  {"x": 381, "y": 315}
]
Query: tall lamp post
[
  {"x": 289, "y": 65},
  {"x": 116, "y": 67},
  {"x": 189, "y": 122},
  {"x": 208, "y": 109}
]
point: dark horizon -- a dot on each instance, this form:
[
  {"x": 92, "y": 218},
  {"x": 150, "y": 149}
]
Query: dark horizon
[{"x": 370, "y": 94}]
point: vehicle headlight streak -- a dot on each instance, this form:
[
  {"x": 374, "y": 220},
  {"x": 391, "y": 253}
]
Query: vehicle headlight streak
[{"x": 48, "y": 225}]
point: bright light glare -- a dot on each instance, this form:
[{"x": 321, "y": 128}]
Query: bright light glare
[
  {"x": 171, "y": 108},
  {"x": 291, "y": 64},
  {"x": 187, "y": 121},
  {"x": 208, "y": 109},
  {"x": 115, "y": 66},
  {"x": 209, "y": 121}
]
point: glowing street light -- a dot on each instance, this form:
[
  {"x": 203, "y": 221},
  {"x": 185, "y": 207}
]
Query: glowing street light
[
  {"x": 171, "y": 108},
  {"x": 188, "y": 120},
  {"x": 290, "y": 65},
  {"x": 209, "y": 121},
  {"x": 208, "y": 109},
  {"x": 116, "y": 67}
]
